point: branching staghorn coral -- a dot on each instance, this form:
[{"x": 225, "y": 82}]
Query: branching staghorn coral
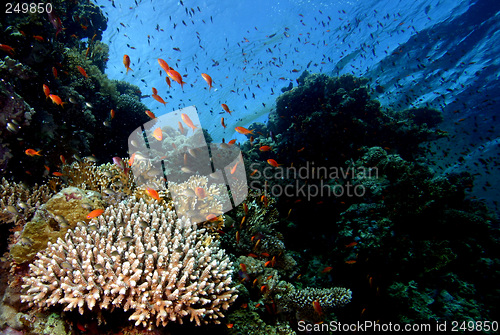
[
  {"x": 19, "y": 202},
  {"x": 135, "y": 256}
]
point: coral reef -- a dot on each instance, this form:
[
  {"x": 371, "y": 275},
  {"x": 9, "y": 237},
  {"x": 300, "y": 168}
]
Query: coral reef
[
  {"x": 51, "y": 221},
  {"x": 302, "y": 302},
  {"x": 135, "y": 256}
]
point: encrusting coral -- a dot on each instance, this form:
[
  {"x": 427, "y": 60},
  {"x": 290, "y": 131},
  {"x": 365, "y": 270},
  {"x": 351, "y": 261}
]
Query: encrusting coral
[
  {"x": 135, "y": 256},
  {"x": 301, "y": 301}
]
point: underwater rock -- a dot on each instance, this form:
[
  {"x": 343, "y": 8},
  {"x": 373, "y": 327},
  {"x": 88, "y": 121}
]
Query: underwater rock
[{"x": 52, "y": 220}]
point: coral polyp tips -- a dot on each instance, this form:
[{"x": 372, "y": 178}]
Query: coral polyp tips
[{"x": 171, "y": 150}]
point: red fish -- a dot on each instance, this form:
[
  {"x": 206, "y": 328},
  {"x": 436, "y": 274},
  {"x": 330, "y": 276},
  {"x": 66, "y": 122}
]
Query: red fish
[
  {"x": 243, "y": 130},
  {"x": 55, "y": 99},
  {"x": 208, "y": 79},
  {"x": 158, "y": 134},
  {"x": 176, "y": 76},
  {"x": 200, "y": 192},
  {"x": 317, "y": 307},
  {"x": 38, "y": 38},
  {"x": 32, "y": 152},
  {"x": 153, "y": 194},
  {"x": 159, "y": 99},
  {"x": 112, "y": 114},
  {"x": 188, "y": 121},
  {"x": 54, "y": 72},
  {"x": 327, "y": 269},
  {"x": 56, "y": 22},
  {"x": 233, "y": 170},
  {"x": 95, "y": 213},
  {"x": 265, "y": 148},
  {"x": 167, "y": 79},
  {"x": 155, "y": 91},
  {"x": 224, "y": 106},
  {"x": 126, "y": 62},
  {"x": 150, "y": 114},
  {"x": 163, "y": 65},
  {"x": 57, "y": 174},
  {"x": 181, "y": 128},
  {"x": 82, "y": 71},
  {"x": 46, "y": 90},
  {"x": 6, "y": 48},
  {"x": 222, "y": 123},
  {"x": 273, "y": 163}
]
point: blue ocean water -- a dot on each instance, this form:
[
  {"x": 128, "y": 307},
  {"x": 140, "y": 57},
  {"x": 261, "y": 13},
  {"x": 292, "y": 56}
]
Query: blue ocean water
[{"x": 442, "y": 54}]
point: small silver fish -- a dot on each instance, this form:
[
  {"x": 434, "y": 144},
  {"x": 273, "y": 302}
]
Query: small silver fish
[
  {"x": 66, "y": 265},
  {"x": 26, "y": 241},
  {"x": 12, "y": 128},
  {"x": 12, "y": 209},
  {"x": 87, "y": 206},
  {"x": 23, "y": 205},
  {"x": 108, "y": 191},
  {"x": 88, "y": 104}
]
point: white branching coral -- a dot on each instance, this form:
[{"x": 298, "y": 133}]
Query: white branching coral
[{"x": 136, "y": 256}]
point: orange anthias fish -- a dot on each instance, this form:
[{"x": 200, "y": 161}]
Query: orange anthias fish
[
  {"x": 265, "y": 148},
  {"x": 243, "y": 130},
  {"x": 158, "y": 134},
  {"x": 82, "y": 71},
  {"x": 95, "y": 213},
  {"x": 188, "y": 121},
  {"x": 7, "y": 49},
  {"x": 153, "y": 194},
  {"x": 273, "y": 163},
  {"x": 55, "y": 99},
  {"x": 224, "y": 106},
  {"x": 317, "y": 307},
  {"x": 169, "y": 83},
  {"x": 181, "y": 128},
  {"x": 150, "y": 114},
  {"x": 200, "y": 192},
  {"x": 159, "y": 99},
  {"x": 222, "y": 123},
  {"x": 208, "y": 79},
  {"x": 112, "y": 114},
  {"x": 46, "y": 90},
  {"x": 126, "y": 62},
  {"x": 164, "y": 65},
  {"x": 327, "y": 269},
  {"x": 32, "y": 152},
  {"x": 155, "y": 91},
  {"x": 54, "y": 72},
  {"x": 176, "y": 76}
]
